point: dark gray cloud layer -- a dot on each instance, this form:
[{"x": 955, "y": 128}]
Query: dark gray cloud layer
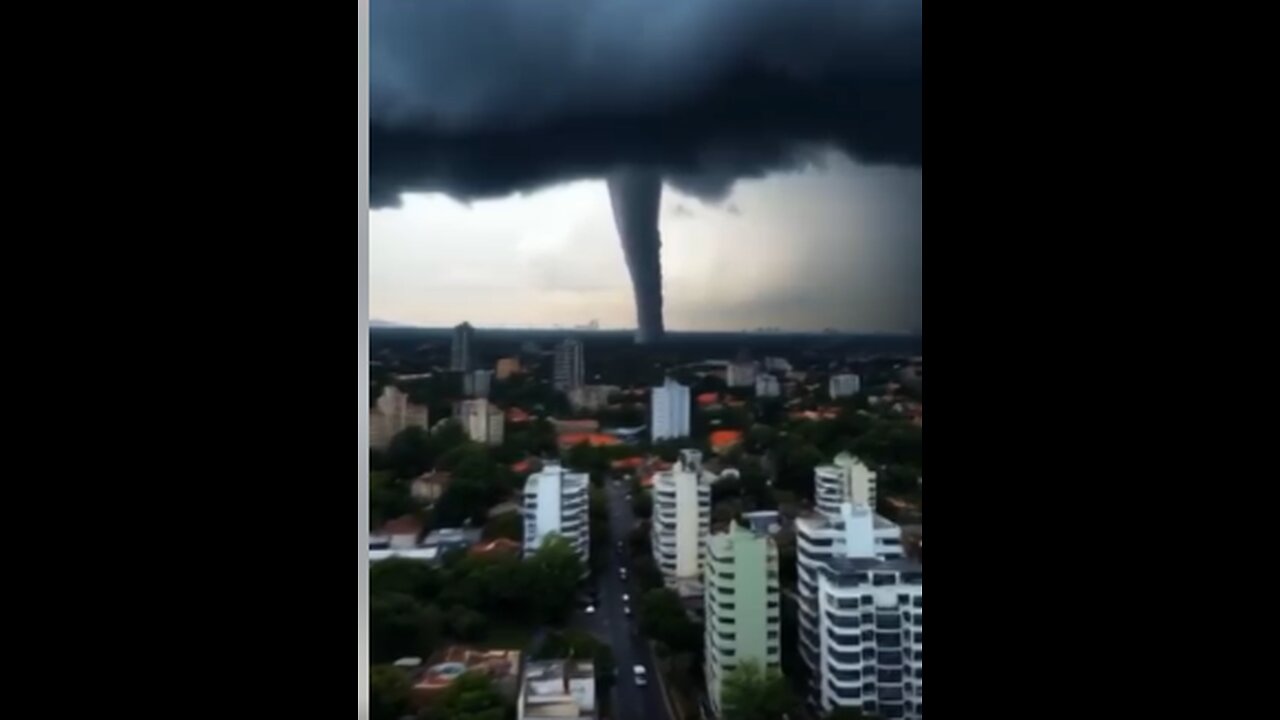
[{"x": 484, "y": 97}]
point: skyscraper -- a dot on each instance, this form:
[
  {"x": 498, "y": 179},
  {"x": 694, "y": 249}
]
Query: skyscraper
[
  {"x": 555, "y": 501},
  {"x": 461, "y": 357},
  {"x": 681, "y": 518},
  {"x": 670, "y": 411},
  {"x": 569, "y": 367},
  {"x": 847, "y": 479}
]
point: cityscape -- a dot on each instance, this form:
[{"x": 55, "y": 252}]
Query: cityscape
[
  {"x": 577, "y": 526},
  {"x": 643, "y": 291}
]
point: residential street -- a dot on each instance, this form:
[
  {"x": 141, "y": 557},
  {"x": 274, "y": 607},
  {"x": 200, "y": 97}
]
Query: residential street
[{"x": 611, "y": 624}]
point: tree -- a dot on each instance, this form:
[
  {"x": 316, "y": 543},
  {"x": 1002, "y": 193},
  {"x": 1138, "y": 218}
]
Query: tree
[
  {"x": 642, "y": 505},
  {"x": 646, "y": 572},
  {"x": 389, "y": 690},
  {"x": 465, "y": 499},
  {"x": 467, "y": 624},
  {"x": 471, "y": 697},
  {"x": 388, "y": 498},
  {"x": 405, "y": 577},
  {"x": 401, "y": 627},
  {"x": 557, "y": 571},
  {"x": 663, "y": 618},
  {"x": 750, "y": 694},
  {"x": 507, "y": 525},
  {"x": 410, "y": 453}
]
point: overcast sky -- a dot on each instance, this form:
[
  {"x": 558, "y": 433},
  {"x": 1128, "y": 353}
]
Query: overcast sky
[{"x": 833, "y": 246}]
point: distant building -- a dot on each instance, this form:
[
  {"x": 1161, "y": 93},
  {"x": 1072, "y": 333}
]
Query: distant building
[
  {"x": 482, "y": 421},
  {"x": 391, "y": 414},
  {"x": 462, "y": 358},
  {"x": 846, "y": 479},
  {"x": 555, "y": 502},
  {"x": 845, "y": 385},
  {"x": 569, "y": 366},
  {"x": 741, "y": 602},
  {"x": 741, "y": 374},
  {"x": 558, "y": 690},
  {"x": 476, "y": 383},
  {"x": 763, "y": 521},
  {"x": 507, "y": 367},
  {"x": 777, "y": 364},
  {"x": 767, "y": 386},
  {"x": 451, "y": 539},
  {"x": 398, "y": 534},
  {"x": 501, "y": 666},
  {"x": 670, "y": 410},
  {"x": 591, "y": 398}
]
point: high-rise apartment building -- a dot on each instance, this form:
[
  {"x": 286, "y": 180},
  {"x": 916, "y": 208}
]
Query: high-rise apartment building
[
  {"x": 870, "y": 637},
  {"x": 846, "y": 479},
  {"x": 570, "y": 368},
  {"x": 767, "y": 385},
  {"x": 391, "y": 414},
  {"x": 555, "y": 501},
  {"x": 844, "y": 385},
  {"x": 681, "y": 518},
  {"x": 483, "y": 421},
  {"x": 462, "y": 358},
  {"x": 741, "y": 601},
  {"x": 670, "y": 411}
]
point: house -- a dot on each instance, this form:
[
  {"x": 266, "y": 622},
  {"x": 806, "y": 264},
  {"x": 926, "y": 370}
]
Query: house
[{"x": 401, "y": 533}]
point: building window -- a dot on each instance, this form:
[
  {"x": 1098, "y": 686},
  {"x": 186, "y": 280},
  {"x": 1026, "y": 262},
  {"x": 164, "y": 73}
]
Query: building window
[{"x": 918, "y": 601}]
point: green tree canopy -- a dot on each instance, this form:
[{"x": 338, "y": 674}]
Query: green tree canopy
[
  {"x": 471, "y": 697},
  {"x": 389, "y": 690},
  {"x": 507, "y": 525},
  {"x": 399, "y": 627},
  {"x": 748, "y": 693},
  {"x": 663, "y": 618},
  {"x": 558, "y": 570},
  {"x": 405, "y": 577}
]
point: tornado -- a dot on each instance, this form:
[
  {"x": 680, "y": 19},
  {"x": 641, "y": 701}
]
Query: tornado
[{"x": 636, "y": 196}]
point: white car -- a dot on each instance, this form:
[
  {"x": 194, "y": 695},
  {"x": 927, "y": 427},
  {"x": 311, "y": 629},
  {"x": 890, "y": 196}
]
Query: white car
[
  {"x": 626, "y": 598},
  {"x": 591, "y": 610},
  {"x": 638, "y": 671}
]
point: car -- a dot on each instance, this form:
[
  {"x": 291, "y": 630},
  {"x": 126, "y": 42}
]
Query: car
[
  {"x": 626, "y": 598},
  {"x": 591, "y": 610},
  {"x": 627, "y": 609},
  {"x": 641, "y": 679},
  {"x": 622, "y": 573}
]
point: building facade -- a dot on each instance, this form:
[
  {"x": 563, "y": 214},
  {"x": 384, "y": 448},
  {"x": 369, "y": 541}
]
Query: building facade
[
  {"x": 870, "y": 637},
  {"x": 556, "y": 502},
  {"x": 591, "y": 397},
  {"x": 681, "y": 518},
  {"x": 391, "y": 414},
  {"x": 767, "y": 385},
  {"x": 570, "y": 367},
  {"x": 741, "y": 601},
  {"x": 477, "y": 383},
  {"x": 483, "y": 421},
  {"x": 462, "y": 358},
  {"x": 507, "y": 367},
  {"x": 846, "y": 479},
  {"x": 846, "y": 385},
  {"x": 670, "y": 411},
  {"x": 741, "y": 374}
]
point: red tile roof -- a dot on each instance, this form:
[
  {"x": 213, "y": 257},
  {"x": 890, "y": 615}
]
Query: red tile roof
[{"x": 403, "y": 525}]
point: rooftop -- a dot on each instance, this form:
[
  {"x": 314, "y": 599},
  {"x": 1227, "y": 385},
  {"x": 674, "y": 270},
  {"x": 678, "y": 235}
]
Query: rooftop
[
  {"x": 844, "y": 567},
  {"x": 403, "y": 525},
  {"x": 558, "y": 689}
]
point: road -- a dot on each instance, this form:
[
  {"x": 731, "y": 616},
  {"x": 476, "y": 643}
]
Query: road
[{"x": 611, "y": 624}]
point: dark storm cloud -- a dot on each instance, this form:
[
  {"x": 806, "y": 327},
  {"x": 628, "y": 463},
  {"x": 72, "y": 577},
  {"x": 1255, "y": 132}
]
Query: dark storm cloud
[{"x": 484, "y": 97}]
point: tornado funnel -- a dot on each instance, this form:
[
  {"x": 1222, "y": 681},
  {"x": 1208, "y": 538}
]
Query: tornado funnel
[{"x": 636, "y": 196}]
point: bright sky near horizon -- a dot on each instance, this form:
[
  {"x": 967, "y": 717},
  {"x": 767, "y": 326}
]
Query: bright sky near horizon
[{"x": 834, "y": 246}]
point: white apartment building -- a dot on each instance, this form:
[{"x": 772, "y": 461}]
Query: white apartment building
[
  {"x": 741, "y": 374},
  {"x": 570, "y": 368},
  {"x": 483, "y": 421},
  {"x": 555, "y": 501},
  {"x": 681, "y": 518},
  {"x": 777, "y": 364},
  {"x": 846, "y": 479},
  {"x": 391, "y": 414},
  {"x": 767, "y": 385},
  {"x": 844, "y": 385},
  {"x": 870, "y": 639},
  {"x": 670, "y": 411}
]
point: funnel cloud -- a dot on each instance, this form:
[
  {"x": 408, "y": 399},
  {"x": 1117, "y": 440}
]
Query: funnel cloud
[
  {"x": 636, "y": 196},
  {"x": 484, "y": 99}
]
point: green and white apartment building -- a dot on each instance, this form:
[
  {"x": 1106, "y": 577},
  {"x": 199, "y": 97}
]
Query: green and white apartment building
[{"x": 742, "y": 605}]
